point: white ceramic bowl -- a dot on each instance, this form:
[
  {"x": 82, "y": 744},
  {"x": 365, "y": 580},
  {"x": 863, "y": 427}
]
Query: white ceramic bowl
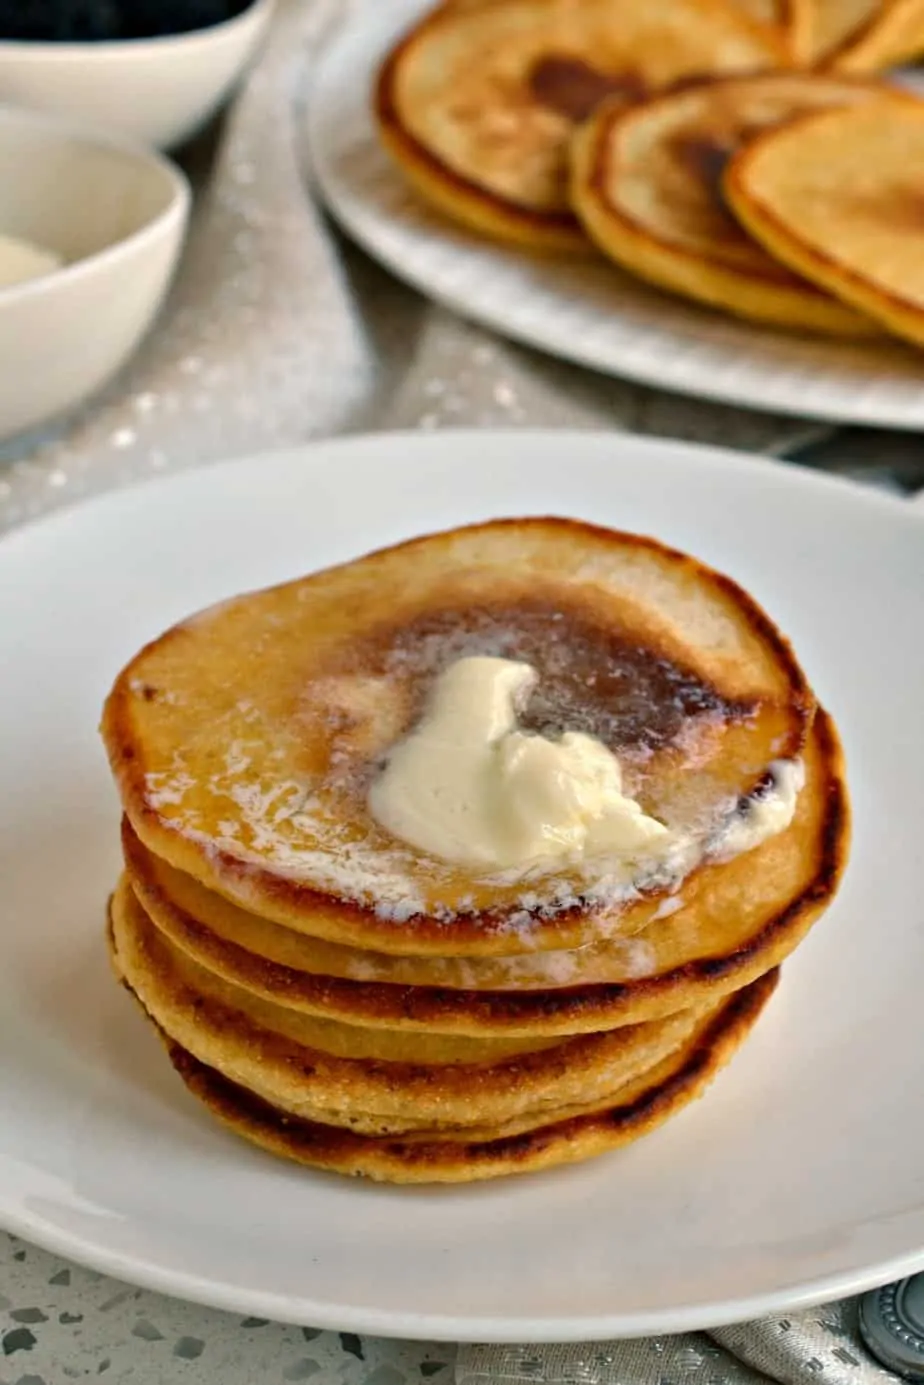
[
  {"x": 158, "y": 91},
  {"x": 117, "y": 215}
]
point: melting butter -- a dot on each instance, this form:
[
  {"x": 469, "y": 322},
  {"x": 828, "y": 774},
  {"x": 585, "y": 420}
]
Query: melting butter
[
  {"x": 469, "y": 787},
  {"x": 765, "y": 816},
  {"x": 20, "y": 261}
]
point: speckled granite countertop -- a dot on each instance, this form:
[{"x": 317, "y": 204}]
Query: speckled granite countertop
[{"x": 59, "y": 1322}]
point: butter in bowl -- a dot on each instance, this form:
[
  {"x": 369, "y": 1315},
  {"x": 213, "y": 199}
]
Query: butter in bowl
[
  {"x": 91, "y": 231},
  {"x": 22, "y": 260}
]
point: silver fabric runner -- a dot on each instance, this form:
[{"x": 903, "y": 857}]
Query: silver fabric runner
[{"x": 819, "y": 1345}]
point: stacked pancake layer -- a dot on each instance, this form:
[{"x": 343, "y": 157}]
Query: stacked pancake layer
[{"x": 350, "y": 1003}]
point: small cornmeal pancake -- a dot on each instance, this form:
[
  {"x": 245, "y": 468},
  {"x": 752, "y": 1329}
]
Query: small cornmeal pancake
[
  {"x": 478, "y": 102},
  {"x": 787, "y": 19},
  {"x": 269, "y": 1050},
  {"x": 244, "y": 742},
  {"x": 334, "y": 1037},
  {"x": 864, "y": 35},
  {"x": 730, "y": 924},
  {"x": 837, "y": 197},
  {"x": 642, "y": 1106},
  {"x": 647, "y": 183},
  {"x": 829, "y": 25}
]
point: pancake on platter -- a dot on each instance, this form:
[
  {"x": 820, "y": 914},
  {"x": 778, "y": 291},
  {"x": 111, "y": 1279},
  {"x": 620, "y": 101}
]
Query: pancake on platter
[
  {"x": 252, "y": 774},
  {"x": 731, "y": 923},
  {"x": 836, "y": 197},
  {"x": 828, "y": 26},
  {"x": 647, "y": 184},
  {"x": 864, "y": 35},
  {"x": 404, "y": 1152},
  {"x": 478, "y": 102},
  {"x": 787, "y": 20},
  {"x": 476, "y": 855}
]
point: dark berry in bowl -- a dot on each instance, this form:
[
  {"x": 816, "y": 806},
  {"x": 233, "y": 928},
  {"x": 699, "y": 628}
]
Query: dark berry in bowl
[{"x": 82, "y": 21}]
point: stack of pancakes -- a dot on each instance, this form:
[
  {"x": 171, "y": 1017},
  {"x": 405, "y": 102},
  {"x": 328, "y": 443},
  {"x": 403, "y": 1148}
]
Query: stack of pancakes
[
  {"x": 346, "y": 1001},
  {"x": 741, "y": 153}
]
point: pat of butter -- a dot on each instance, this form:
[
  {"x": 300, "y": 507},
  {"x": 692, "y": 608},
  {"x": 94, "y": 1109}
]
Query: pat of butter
[
  {"x": 468, "y": 787},
  {"x": 21, "y": 261}
]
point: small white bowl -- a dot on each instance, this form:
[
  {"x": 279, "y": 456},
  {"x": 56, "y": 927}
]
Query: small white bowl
[
  {"x": 117, "y": 216},
  {"x": 158, "y": 91}
]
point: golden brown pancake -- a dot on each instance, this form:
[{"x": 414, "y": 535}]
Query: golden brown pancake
[
  {"x": 647, "y": 184},
  {"x": 478, "y": 102},
  {"x": 350, "y": 1002},
  {"x": 263, "y": 1047},
  {"x": 798, "y": 30},
  {"x": 830, "y": 25},
  {"x": 837, "y": 196},
  {"x": 734, "y": 922},
  {"x": 864, "y": 35},
  {"x": 171, "y": 896},
  {"x": 243, "y": 741},
  {"x": 769, "y": 12},
  {"x": 642, "y": 1107},
  {"x": 326, "y": 1119},
  {"x": 787, "y": 20}
]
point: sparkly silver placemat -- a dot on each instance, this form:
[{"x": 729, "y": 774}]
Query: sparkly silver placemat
[{"x": 818, "y": 1346}]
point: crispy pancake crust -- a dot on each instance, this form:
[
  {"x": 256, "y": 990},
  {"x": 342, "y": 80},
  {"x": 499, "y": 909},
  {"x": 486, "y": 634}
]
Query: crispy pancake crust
[
  {"x": 647, "y": 183},
  {"x": 862, "y": 240},
  {"x": 719, "y": 949},
  {"x": 167, "y": 893},
  {"x": 254, "y": 1042},
  {"x": 476, "y": 104},
  {"x": 309, "y": 683},
  {"x": 453, "y": 1161}
]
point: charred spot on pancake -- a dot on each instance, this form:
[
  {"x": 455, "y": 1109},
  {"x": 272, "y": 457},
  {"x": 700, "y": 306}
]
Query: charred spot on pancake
[
  {"x": 340, "y": 1147},
  {"x": 592, "y": 677},
  {"x": 706, "y": 158},
  {"x": 572, "y": 88},
  {"x": 762, "y": 789}
]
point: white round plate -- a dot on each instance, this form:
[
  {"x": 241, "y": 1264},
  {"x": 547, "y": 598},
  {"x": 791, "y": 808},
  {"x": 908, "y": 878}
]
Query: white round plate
[
  {"x": 798, "y": 1177},
  {"x": 585, "y": 311}
]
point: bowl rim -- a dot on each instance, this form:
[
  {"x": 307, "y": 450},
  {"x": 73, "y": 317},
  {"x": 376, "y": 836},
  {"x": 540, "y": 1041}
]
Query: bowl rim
[
  {"x": 28, "y": 49},
  {"x": 176, "y": 210}
]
